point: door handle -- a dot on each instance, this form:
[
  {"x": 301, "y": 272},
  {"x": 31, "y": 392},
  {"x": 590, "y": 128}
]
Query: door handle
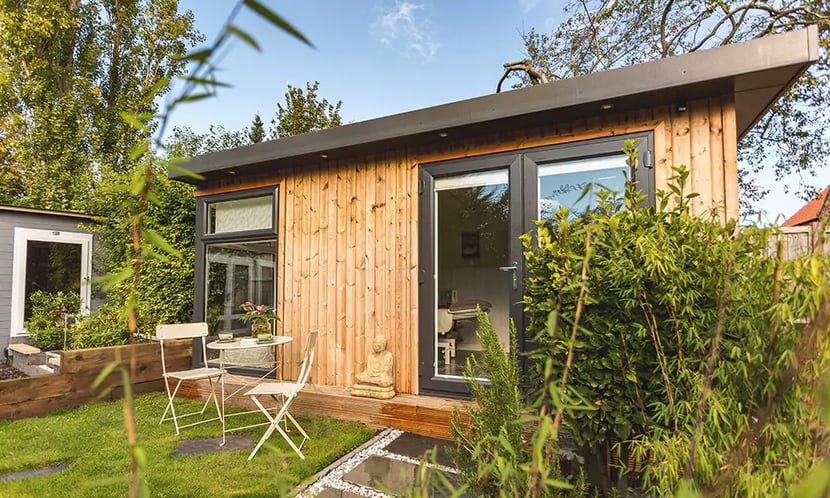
[{"x": 513, "y": 270}]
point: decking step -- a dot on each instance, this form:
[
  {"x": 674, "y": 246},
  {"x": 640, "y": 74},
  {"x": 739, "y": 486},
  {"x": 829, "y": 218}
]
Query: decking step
[{"x": 24, "y": 349}]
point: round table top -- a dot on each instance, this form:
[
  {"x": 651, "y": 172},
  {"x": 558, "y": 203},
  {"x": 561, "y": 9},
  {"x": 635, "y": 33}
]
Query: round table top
[{"x": 239, "y": 343}]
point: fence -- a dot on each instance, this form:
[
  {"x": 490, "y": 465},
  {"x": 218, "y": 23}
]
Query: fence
[
  {"x": 37, "y": 396},
  {"x": 798, "y": 241}
]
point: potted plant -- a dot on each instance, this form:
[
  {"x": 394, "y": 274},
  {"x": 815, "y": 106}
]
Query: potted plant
[{"x": 260, "y": 316}]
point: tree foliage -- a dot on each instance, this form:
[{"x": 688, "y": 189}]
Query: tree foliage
[
  {"x": 602, "y": 34},
  {"x": 304, "y": 112},
  {"x": 257, "y": 132},
  {"x": 67, "y": 71},
  {"x": 184, "y": 143}
]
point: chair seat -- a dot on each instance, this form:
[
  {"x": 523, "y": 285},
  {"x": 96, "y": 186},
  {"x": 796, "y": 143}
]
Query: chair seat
[
  {"x": 195, "y": 374},
  {"x": 273, "y": 389}
]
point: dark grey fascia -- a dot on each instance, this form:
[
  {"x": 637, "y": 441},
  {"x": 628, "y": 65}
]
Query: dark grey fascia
[{"x": 756, "y": 72}]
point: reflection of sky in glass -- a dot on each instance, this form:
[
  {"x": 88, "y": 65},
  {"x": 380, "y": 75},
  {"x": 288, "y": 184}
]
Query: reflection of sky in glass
[{"x": 561, "y": 184}]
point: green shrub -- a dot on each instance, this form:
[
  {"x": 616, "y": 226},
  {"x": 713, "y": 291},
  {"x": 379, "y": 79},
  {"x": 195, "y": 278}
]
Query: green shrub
[
  {"x": 45, "y": 324},
  {"x": 502, "y": 448},
  {"x": 106, "y": 327},
  {"x": 662, "y": 286}
]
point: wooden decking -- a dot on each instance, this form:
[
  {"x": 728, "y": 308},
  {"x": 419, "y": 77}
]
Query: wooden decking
[{"x": 424, "y": 415}]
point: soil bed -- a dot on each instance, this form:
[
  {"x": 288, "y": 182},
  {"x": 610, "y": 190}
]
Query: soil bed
[{"x": 7, "y": 372}]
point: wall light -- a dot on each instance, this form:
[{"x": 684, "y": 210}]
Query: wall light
[
  {"x": 324, "y": 156},
  {"x": 682, "y": 108},
  {"x": 442, "y": 135},
  {"x": 606, "y": 107}
]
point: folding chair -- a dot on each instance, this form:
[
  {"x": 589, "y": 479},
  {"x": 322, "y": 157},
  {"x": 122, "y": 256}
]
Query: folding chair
[
  {"x": 187, "y": 331},
  {"x": 287, "y": 392}
]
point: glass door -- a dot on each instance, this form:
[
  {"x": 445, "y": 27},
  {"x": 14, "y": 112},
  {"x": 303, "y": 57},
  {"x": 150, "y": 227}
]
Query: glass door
[
  {"x": 473, "y": 254},
  {"x": 471, "y": 214}
]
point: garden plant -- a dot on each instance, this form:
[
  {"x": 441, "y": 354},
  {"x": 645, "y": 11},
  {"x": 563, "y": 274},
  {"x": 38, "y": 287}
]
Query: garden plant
[{"x": 680, "y": 354}]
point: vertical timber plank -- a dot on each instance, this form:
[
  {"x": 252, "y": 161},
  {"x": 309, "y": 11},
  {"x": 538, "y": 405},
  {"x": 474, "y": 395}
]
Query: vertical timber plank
[
  {"x": 716, "y": 156},
  {"x": 730, "y": 158},
  {"x": 699, "y": 152}
]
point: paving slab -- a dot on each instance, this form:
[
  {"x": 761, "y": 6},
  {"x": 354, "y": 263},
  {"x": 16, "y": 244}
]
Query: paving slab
[
  {"x": 383, "y": 474},
  {"x": 337, "y": 493},
  {"x": 415, "y": 446},
  {"x": 236, "y": 442},
  {"x": 26, "y": 474}
]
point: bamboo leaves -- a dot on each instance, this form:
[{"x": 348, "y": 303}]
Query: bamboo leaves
[{"x": 688, "y": 331}]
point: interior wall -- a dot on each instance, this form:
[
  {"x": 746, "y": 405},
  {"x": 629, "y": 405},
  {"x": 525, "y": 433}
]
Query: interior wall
[{"x": 348, "y": 248}]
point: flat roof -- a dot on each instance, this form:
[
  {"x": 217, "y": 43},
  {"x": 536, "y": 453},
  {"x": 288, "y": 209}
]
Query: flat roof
[
  {"x": 48, "y": 212},
  {"x": 756, "y": 72}
]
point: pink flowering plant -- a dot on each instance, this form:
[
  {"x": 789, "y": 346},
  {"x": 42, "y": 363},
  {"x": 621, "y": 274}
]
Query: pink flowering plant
[{"x": 258, "y": 313}]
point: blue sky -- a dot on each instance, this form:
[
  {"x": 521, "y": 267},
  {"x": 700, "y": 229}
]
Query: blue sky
[{"x": 379, "y": 57}]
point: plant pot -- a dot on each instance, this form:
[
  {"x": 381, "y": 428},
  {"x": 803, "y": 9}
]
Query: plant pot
[{"x": 260, "y": 328}]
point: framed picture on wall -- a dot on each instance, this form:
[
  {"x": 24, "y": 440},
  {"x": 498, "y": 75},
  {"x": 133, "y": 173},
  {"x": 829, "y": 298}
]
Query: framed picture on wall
[{"x": 471, "y": 244}]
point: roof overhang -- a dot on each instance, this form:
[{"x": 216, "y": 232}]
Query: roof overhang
[
  {"x": 46, "y": 212},
  {"x": 756, "y": 72}
]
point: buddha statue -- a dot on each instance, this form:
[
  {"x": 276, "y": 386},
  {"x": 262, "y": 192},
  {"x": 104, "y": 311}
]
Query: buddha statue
[{"x": 376, "y": 381}]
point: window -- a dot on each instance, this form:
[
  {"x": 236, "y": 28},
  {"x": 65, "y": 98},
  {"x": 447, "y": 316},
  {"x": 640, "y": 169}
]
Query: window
[
  {"x": 236, "y": 256},
  {"x": 238, "y": 272},
  {"x": 562, "y": 184},
  {"x": 254, "y": 213},
  {"x": 48, "y": 261}
]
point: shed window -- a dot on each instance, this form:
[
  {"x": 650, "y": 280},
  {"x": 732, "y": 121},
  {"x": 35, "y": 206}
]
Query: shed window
[
  {"x": 239, "y": 215},
  {"x": 236, "y": 256},
  {"x": 48, "y": 261},
  {"x": 562, "y": 184}
]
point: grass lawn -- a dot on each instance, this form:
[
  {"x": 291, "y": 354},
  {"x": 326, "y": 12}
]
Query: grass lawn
[{"x": 93, "y": 440}]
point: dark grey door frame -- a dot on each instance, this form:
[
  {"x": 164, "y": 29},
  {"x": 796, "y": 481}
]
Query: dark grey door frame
[
  {"x": 428, "y": 382},
  {"x": 523, "y": 176}
]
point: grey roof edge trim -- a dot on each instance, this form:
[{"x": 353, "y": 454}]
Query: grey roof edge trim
[
  {"x": 794, "y": 48},
  {"x": 811, "y": 33},
  {"x": 47, "y": 212}
]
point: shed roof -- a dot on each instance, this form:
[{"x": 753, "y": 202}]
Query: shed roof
[
  {"x": 756, "y": 72},
  {"x": 809, "y": 212},
  {"x": 46, "y": 212}
]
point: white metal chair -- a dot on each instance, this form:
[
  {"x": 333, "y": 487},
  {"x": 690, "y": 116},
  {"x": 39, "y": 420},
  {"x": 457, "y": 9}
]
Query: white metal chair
[
  {"x": 286, "y": 392},
  {"x": 187, "y": 331}
]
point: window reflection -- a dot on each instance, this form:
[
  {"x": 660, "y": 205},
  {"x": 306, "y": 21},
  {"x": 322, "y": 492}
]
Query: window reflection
[
  {"x": 562, "y": 184},
  {"x": 238, "y": 272}
]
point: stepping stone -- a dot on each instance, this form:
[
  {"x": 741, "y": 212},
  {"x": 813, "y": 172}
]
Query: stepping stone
[
  {"x": 383, "y": 474},
  {"x": 26, "y": 474},
  {"x": 236, "y": 442},
  {"x": 337, "y": 493},
  {"x": 415, "y": 446}
]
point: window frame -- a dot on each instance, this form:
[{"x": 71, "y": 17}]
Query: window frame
[
  {"x": 203, "y": 240},
  {"x": 20, "y": 256}
]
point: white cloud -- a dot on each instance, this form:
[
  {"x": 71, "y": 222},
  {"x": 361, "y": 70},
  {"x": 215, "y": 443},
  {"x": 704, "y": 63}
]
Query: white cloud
[
  {"x": 406, "y": 28},
  {"x": 528, "y": 5}
]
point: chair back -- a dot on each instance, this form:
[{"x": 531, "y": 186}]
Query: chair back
[
  {"x": 308, "y": 360},
  {"x": 175, "y": 331}
]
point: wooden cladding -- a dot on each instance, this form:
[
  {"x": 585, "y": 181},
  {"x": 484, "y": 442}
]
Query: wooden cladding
[
  {"x": 348, "y": 266},
  {"x": 348, "y": 237}
]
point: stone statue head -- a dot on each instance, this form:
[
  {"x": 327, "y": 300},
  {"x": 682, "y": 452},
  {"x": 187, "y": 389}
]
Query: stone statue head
[{"x": 380, "y": 344}]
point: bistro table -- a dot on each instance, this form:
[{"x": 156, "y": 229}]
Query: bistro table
[{"x": 246, "y": 345}]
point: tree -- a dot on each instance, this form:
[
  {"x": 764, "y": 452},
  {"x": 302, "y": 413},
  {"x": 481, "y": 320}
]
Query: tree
[
  {"x": 599, "y": 35},
  {"x": 67, "y": 71},
  {"x": 257, "y": 131},
  {"x": 303, "y": 113},
  {"x": 185, "y": 143}
]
